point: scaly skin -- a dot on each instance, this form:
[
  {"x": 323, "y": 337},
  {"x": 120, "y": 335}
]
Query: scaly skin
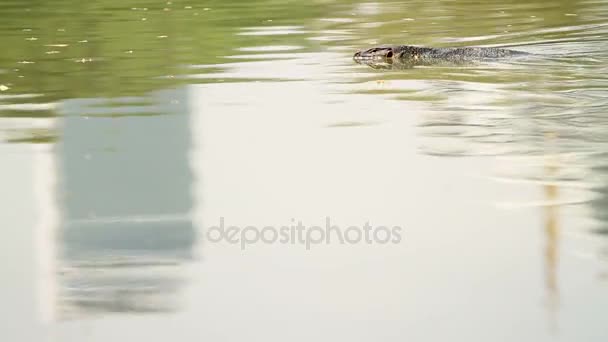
[{"x": 404, "y": 56}]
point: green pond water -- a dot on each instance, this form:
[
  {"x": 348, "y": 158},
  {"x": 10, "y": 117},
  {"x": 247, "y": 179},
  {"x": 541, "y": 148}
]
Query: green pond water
[{"x": 433, "y": 203}]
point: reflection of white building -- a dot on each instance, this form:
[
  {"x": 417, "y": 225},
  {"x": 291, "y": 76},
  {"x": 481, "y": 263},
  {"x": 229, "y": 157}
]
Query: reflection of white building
[{"x": 123, "y": 225}]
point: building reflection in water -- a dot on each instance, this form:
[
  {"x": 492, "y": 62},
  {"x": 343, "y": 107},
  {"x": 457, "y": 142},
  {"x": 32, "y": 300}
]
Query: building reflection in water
[
  {"x": 552, "y": 233},
  {"x": 124, "y": 187}
]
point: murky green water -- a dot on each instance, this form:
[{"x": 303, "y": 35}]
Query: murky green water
[{"x": 129, "y": 130}]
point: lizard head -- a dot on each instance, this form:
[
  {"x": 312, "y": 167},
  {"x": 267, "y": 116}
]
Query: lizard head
[{"x": 376, "y": 53}]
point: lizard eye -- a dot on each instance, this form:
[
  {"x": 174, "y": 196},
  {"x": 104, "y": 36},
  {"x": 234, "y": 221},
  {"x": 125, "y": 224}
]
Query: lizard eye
[{"x": 389, "y": 54}]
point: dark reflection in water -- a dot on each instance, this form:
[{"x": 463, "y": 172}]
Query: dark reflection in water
[
  {"x": 126, "y": 226},
  {"x": 600, "y": 202},
  {"x": 600, "y": 210}
]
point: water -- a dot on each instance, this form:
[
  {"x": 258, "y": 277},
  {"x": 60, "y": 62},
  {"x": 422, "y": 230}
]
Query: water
[{"x": 129, "y": 130}]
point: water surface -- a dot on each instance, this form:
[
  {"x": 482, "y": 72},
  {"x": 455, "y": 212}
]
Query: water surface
[{"x": 127, "y": 130}]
